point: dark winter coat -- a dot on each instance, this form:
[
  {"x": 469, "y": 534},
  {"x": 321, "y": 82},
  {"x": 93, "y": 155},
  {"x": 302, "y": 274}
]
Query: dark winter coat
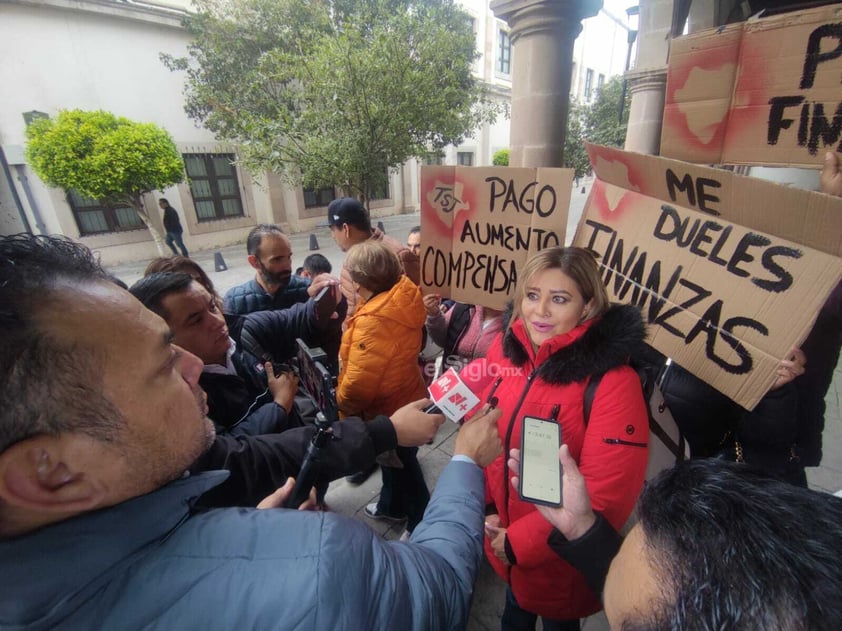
[
  {"x": 713, "y": 424},
  {"x": 250, "y": 297},
  {"x": 241, "y": 403},
  {"x": 171, "y": 221},
  {"x": 261, "y": 464},
  {"x": 272, "y": 334}
]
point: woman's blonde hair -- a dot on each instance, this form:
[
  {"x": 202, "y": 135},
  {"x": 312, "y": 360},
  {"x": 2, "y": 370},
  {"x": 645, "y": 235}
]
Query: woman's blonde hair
[
  {"x": 373, "y": 265},
  {"x": 577, "y": 263}
]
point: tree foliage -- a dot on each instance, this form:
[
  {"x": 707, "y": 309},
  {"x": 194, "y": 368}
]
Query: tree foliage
[
  {"x": 575, "y": 156},
  {"x": 598, "y": 123},
  {"x": 500, "y": 158},
  {"x": 104, "y": 157},
  {"x": 602, "y": 123},
  {"x": 333, "y": 92}
]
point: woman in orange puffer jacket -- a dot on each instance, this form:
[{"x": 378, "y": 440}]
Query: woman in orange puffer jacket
[
  {"x": 379, "y": 369},
  {"x": 561, "y": 332}
]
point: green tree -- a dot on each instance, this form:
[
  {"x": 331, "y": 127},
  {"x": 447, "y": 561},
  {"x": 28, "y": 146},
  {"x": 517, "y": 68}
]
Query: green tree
[
  {"x": 105, "y": 157},
  {"x": 500, "y": 158},
  {"x": 598, "y": 122},
  {"x": 575, "y": 156},
  {"x": 602, "y": 123},
  {"x": 333, "y": 92}
]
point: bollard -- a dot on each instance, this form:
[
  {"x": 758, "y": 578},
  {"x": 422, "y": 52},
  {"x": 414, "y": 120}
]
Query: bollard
[
  {"x": 219, "y": 262},
  {"x": 380, "y": 227},
  {"x": 314, "y": 243},
  {"x": 583, "y": 189}
]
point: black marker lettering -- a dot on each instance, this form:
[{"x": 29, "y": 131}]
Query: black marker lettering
[
  {"x": 777, "y": 122},
  {"x": 685, "y": 185},
  {"x": 814, "y": 56},
  {"x": 704, "y": 197},
  {"x": 741, "y": 255},
  {"x": 746, "y": 360},
  {"x": 784, "y": 281}
]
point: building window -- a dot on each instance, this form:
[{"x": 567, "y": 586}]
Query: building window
[
  {"x": 588, "y": 84},
  {"x": 214, "y": 185},
  {"x": 504, "y": 53},
  {"x": 93, "y": 217},
  {"x": 600, "y": 82},
  {"x": 434, "y": 158},
  {"x": 465, "y": 158},
  {"x": 318, "y": 197}
]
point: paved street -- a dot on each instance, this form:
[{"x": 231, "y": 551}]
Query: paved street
[{"x": 350, "y": 500}]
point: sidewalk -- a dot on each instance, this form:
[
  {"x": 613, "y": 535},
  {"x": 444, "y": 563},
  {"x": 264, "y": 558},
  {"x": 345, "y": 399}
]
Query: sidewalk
[{"x": 350, "y": 500}]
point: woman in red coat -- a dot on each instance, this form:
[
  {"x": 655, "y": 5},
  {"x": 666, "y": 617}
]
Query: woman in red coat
[{"x": 562, "y": 330}]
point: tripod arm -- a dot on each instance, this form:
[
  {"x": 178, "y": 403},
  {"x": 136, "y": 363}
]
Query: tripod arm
[{"x": 312, "y": 462}]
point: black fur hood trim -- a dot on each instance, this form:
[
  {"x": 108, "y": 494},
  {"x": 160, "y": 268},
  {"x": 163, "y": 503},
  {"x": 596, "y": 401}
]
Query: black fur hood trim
[{"x": 609, "y": 343}]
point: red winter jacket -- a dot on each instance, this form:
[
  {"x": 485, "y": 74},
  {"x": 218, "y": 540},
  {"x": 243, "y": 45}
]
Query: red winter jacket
[{"x": 612, "y": 451}]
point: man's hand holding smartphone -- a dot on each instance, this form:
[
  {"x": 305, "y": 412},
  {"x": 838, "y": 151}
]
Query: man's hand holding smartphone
[
  {"x": 574, "y": 517},
  {"x": 326, "y": 294}
]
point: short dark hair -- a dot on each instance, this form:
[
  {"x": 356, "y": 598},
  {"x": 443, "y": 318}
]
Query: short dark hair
[
  {"x": 414, "y": 230},
  {"x": 256, "y": 235},
  {"x": 163, "y": 200},
  {"x": 316, "y": 264},
  {"x": 182, "y": 264},
  {"x": 50, "y": 385},
  {"x": 736, "y": 549},
  {"x": 151, "y": 290}
]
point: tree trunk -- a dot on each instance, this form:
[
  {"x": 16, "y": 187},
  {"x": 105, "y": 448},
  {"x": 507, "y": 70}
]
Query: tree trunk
[{"x": 153, "y": 230}]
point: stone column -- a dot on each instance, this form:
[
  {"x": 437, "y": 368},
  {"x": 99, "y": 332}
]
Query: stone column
[
  {"x": 646, "y": 113},
  {"x": 542, "y": 35},
  {"x": 647, "y": 82}
]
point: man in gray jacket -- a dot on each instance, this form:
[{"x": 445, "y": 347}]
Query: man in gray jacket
[{"x": 101, "y": 415}]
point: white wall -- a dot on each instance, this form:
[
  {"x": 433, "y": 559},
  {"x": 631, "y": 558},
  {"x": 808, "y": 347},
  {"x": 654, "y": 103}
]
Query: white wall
[
  {"x": 68, "y": 59},
  {"x": 601, "y": 46}
]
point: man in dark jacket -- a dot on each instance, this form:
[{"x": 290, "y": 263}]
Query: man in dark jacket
[
  {"x": 274, "y": 286},
  {"x": 245, "y": 396},
  {"x": 718, "y": 545},
  {"x": 172, "y": 226},
  {"x": 100, "y": 417}
]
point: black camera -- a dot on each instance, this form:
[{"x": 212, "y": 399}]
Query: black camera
[
  {"x": 320, "y": 385},
  {"x": 316, "y": 380}
]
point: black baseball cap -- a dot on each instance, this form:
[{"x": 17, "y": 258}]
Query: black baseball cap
[{"x": 348, "y": 210}]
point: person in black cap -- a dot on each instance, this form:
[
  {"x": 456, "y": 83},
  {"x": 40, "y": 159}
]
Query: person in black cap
[{"x": 349, "y": 225}]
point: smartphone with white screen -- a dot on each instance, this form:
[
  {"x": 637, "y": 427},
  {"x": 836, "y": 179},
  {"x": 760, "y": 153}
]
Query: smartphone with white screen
[{"x": 540, "y": 470}]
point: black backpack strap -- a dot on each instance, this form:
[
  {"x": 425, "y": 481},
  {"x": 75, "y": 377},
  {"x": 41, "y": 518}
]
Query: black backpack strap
[{"x": 590, "y": 395}]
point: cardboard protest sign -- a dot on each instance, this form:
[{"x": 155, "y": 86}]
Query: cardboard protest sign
[
  {"x": 479, "y": 225},
  {"x": 719, "y": 263},
  {"x": 766, "y": 91}
]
